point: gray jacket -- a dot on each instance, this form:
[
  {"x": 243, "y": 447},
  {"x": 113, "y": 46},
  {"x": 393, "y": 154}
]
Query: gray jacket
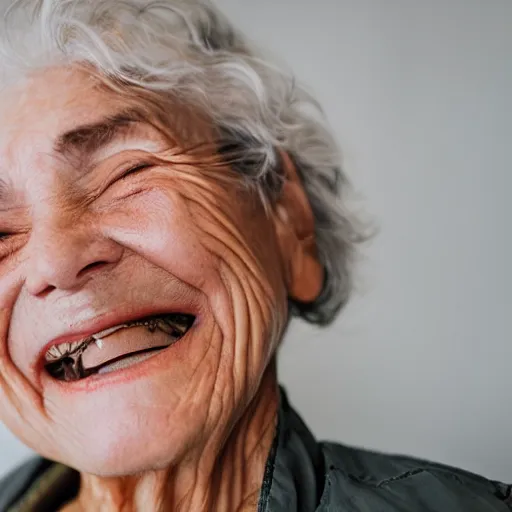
[{"x": 303, "y": 475}]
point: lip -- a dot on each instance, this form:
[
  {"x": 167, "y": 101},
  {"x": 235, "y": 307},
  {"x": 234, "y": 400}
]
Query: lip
[
  {"x": 89, "y": 327},
  {"x": 160, "y": 360}
]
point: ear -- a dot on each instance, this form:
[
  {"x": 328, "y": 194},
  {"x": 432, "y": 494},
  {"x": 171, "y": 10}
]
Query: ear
[{"x": 295, "y": 228}]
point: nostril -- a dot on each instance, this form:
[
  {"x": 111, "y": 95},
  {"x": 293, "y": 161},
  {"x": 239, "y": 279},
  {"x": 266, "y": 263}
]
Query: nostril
[
  {"x": 46, "y": 291},
  {"x": 91, "y": 267}
]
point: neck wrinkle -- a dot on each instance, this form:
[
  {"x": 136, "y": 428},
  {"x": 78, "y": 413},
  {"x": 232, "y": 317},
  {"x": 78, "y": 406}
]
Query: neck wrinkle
[{"x": 227, "y": 476}]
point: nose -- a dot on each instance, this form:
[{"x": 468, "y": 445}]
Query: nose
[{"x": 66, "y": 253}]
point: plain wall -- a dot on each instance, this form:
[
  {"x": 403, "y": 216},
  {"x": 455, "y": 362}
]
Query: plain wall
[{"x": 419, "y": 95}]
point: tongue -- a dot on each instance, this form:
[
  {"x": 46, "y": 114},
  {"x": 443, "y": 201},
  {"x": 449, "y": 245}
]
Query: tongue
[{"x": 123, "y": 343}]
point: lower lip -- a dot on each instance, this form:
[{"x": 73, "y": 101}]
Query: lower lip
[{"x": 146, "y": 366}]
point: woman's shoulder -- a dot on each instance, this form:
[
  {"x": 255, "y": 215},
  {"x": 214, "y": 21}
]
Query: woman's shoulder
[
  {"x": 362, "y": 480},
  {"x": 14, "y": 485},
  {"x": 37, "y": 484}
]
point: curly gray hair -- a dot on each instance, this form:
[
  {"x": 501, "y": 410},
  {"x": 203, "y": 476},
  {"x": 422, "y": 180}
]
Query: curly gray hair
[{"x": 187, "y": 48}]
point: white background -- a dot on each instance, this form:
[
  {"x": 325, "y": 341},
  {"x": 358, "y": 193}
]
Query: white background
[{"x": 419, "y": 94}]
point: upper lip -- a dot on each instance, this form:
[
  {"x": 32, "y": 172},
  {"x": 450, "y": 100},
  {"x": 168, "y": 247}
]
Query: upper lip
[{"x": 98, "y": 324}]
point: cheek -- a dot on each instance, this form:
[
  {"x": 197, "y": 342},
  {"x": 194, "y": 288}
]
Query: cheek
[
  {"x": 24, "y": 337},
  {"x": 21, "y": 333},
  {"x": 203, "y": 236},
  {"x": 156, "y": 225},
  {"x": 193, "y": 232}
]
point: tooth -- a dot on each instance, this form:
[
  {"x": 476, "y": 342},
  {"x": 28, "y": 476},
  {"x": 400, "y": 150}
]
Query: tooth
[
  {"x": 180, "y": 327},
  {"x": 74, "y": 346},
  {"x": 165, "y": 327},
  {"x": 109, "y": 331},
  {"x": 63, "y": 348},
  {"x": 99, "y": 343},
  {"x": 52, "y": 354},
  {"x": 181, "y": 324}
]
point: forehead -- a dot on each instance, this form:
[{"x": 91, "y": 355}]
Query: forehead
[
  {"x": 64, "y": 116},
  {"x": 50, "y": 102},
  {"x": 59, "y": 123},
  {"x": 52, "y": 107}
]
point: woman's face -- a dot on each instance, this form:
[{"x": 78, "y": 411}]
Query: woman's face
[{"x": 100, "y": 231}]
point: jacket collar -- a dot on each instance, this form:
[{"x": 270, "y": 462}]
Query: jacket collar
[{"x": 294, "y": 473}]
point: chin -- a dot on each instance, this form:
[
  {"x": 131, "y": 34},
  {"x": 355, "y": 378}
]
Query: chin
[{"x": 129, "y": 445}]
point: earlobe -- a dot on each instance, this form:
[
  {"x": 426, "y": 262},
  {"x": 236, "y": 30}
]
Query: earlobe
[
  {"x": 296, "y": 232},
  {"x": 307, "y": 276}
]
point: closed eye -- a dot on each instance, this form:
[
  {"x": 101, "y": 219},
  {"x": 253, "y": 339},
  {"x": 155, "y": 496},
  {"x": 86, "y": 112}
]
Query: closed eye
[
  {"x": 135, "y": 169},
  {"x": 10, "y": 243}
]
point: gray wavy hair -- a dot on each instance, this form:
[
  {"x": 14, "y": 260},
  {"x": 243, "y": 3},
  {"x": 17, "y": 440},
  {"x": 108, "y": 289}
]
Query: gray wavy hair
[{"x": 188, "y": 49}]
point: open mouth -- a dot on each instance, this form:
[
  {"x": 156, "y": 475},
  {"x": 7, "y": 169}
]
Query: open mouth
[{"x": 95, "y": 355}]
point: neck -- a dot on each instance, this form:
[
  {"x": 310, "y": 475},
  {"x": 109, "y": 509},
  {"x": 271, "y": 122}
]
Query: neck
[{"x": 227, "y": 476}]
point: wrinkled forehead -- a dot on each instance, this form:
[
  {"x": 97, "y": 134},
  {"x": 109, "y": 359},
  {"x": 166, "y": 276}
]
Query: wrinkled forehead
[
  {"x": 52, "y": 98},
  {"x": 69, "y": 112},
  {"x": 46, "y": 104}
]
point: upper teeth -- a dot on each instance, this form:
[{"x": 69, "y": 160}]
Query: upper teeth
[{"x": 58, "y": 351}]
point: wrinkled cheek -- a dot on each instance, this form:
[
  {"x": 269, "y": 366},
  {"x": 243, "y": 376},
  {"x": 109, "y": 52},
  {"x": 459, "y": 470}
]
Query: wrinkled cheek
[
  {"x": 17, "y": 323},
  {"x": 21, "y": 404},
  {"x": 199, "y": 242},
  {"x": 259, "y": 306},
  {"x": 159, "y": 227},
  {"x": 243, "y": 239}
]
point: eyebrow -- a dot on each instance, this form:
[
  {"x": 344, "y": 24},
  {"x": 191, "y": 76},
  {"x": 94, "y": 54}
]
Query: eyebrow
[
  {"x": 90, "y": 138},
  {"x": 87, "y": 139}
]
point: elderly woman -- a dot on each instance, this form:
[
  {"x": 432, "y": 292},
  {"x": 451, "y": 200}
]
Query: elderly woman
[{"x": 168, "y": 204}]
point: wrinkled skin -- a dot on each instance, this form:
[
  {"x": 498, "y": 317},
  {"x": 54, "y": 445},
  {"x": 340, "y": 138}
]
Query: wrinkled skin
[{"x": 86, "y": 244}]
